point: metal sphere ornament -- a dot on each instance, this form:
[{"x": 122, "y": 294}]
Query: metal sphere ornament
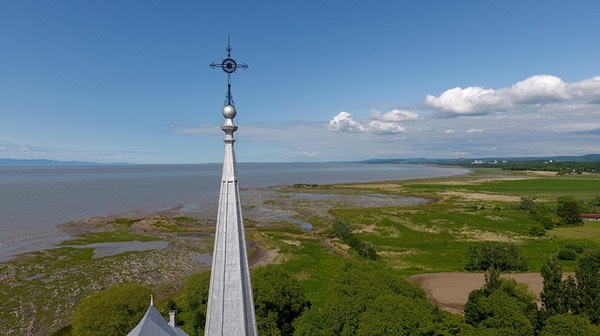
[{"x": 229, "y": 111}]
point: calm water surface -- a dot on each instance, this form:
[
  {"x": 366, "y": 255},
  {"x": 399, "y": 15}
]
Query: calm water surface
[{"x": 34, "y": 200}]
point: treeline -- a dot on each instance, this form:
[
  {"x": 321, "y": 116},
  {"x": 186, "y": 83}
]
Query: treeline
[
  {"x": 367, "y": 298},
  {"x": 569, "y": 307},
  {"x": 561, "y": 168},
  {"x": 278, "y": 298},
  {"x": 566, "y": 212}
]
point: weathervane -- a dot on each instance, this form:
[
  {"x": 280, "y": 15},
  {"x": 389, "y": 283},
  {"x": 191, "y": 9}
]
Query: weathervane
[{"x": 229, "y": 65}]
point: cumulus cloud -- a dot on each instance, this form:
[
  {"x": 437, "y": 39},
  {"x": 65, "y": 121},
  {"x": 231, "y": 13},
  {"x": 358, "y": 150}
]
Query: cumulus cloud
[
  {"x": 378, "y": 123},
  {"x": 345, "y": 122},
  {"x": 538, "y": 89},
  {"x": 471, "y": 100},
  {"x": 544, "y": 116}
]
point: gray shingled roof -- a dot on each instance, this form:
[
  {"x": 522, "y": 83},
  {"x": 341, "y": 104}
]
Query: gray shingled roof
[{"x": 153, "y": 324}]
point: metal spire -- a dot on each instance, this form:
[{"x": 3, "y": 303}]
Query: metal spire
[{"x": 230, "y": 309}]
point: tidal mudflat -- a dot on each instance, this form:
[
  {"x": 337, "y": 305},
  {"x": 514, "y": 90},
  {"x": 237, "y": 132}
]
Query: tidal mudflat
[{"x": 40, "y": 289}]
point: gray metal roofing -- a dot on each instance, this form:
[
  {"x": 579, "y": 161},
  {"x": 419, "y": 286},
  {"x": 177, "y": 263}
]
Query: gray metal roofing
[{"x": 153, "y": 324}]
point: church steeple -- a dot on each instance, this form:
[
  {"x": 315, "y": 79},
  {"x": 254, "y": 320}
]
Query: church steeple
[{"x": 230, "y": 308}]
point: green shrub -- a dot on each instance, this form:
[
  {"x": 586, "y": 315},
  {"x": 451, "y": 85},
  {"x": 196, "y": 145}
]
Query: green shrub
[
  {"x": 341, "y": 229},
  {"x": 578, "y": 248},
  {"x": 354, "y": 243},
  {"x": 526, "y": 203},
  {"x": 503, "y": 256},
  {"x": 368, "y": 251},
  {"x": 547, "y": 223},
  {"x": 539, "y": 212},
  {"x": 537, "y": 230},
  {"x": 569, "y": 211},
  {"x": 567, "y": 254},
  {"x": 113, "y": 311}
]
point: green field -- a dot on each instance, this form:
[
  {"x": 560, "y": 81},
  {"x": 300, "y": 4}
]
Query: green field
[{"x": 436, "y": 237}]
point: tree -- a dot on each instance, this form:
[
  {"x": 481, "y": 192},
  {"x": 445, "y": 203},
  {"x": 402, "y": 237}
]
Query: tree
[
  {"x": 501, "y": 306},
  {"x": 576, "y": 296},
  {"x": 503, "y": 256},
  {"x": 367, "y": 250},
  {"x": 526, "y": 203},
  {"x": 369, "y": 298},
  {"x": 505, "y": 315},
  {"x": 172, "y": 306},
  {"x": 195, "y": 292},
  {"x": 588, "y": 285},
  {"x": 113, "y": 311},
  {"x": 391, "y": 315},
  {"x": 569, "y": 324},
  {"x": 571, "y": 295},
  {"x": 341, "y": 229},
  {"x": 278, "y": 298},
  {"x": 539, "y": 212},
  {"x": 569, "y": 211},
  {"x": 552, "y": 294}
]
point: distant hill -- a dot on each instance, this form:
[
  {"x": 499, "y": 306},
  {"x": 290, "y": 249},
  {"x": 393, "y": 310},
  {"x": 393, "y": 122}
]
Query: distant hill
[
  {"x": 42, "y": 162},
  {"x": 461, "y": 161}
]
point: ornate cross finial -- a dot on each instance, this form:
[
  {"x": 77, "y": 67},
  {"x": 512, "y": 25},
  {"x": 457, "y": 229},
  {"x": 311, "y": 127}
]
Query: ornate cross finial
[{"x": 229, "y": 65}]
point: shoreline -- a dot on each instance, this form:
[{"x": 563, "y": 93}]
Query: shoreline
[
  {"x": 162, "y": 248},
  {"x": 53, "y": 236},
  {"x": 158, "y": 249}
]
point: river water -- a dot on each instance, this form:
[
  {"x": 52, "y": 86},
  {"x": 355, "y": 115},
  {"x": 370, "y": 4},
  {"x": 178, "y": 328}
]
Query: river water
[{"x": 34, "y": 200}]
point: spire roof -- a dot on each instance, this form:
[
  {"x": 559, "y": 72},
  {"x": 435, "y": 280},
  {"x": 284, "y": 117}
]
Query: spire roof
[{"x": 230, "y": 308}]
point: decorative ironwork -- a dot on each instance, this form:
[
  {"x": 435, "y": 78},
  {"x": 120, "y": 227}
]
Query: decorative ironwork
[{"x": 229, "y": 65}]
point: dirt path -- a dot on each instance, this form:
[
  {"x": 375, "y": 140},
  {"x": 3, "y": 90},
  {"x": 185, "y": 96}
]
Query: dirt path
[{"x": 450, "y": 291}]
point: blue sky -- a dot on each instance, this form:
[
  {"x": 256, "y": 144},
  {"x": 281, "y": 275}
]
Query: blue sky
[{"x": 113, "y": 81}]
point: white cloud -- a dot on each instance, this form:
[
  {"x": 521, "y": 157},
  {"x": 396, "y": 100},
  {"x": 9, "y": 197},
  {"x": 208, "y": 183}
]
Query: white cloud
[
  {"x": 394, "y": 116},
  {"x": 382, "y": 127},
  {"x": 538, "y": 89},
  {"x": 344, "y": 122},
  {"x": 471, "y": 100},
  {"x": 588, "y": 88},
  {"x": 576, "y": 127},
  {"x": 540, "y": 116},
  {"x": 386, "y": 123}
]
